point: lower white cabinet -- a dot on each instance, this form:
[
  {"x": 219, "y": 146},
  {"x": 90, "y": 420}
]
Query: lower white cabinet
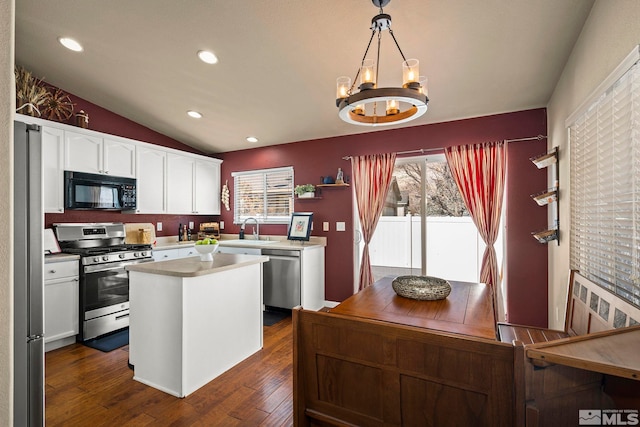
[
  {"x": 173, "y": 253},
  {"x": 239, "y": 250},
  {"x": 61, "y": 303}
]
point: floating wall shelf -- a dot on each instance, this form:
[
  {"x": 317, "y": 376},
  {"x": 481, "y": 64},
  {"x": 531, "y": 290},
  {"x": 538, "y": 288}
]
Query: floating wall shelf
[
  {"x": 332, "y": 185},
  {"x": 548, "y": 197}
]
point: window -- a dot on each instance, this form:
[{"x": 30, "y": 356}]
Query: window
[
  {"x": 266, "y": 195},
  {"x": 605, "y": 187}
]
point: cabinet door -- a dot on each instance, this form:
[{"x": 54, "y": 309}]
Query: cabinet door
[
  {"x": 61, "y": 308},
  {"x": 151, "y": 165},
  {"x": 119, "y": 158},
  {"x": 207, "y": 188},
  {"x": 179, "y": 184},
  {"x": 53, "y": 169},
  {"x": 166, "y": 254},
  {"x": 189, "y": 251},
  {"x": 83, "y": 153}
]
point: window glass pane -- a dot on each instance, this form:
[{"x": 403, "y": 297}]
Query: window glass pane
[{"x": 266, "y": 195}]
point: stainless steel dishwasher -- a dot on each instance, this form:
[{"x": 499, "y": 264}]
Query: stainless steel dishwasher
[{"x": 281, "y": 278}]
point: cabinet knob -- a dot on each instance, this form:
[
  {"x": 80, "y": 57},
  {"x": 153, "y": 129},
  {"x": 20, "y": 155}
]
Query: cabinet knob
[{"x": 52, "y": 271}]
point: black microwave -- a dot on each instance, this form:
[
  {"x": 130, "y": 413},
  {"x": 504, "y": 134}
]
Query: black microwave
[{"x": 102, "y": 192}]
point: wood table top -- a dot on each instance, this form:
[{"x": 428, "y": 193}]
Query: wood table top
[
  {"x": 467, "y": 310},
  {"x": 613, "y": 352}
]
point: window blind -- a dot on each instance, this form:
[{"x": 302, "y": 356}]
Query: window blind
[
  {"x": 605, "y": 189},
  {"x": 266, "y": 195}
]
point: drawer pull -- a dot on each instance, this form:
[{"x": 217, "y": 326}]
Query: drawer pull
[
  {"x": 52, "y": 271},
  {"x": 122, "y": 316}
]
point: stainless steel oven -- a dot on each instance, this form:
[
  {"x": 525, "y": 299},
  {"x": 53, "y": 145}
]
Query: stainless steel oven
[
  {"x": 104, "y": 282},
  {"x": 104, "y": 297}
]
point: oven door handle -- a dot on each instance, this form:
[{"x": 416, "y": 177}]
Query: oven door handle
[{"x": 119, "y": 266}]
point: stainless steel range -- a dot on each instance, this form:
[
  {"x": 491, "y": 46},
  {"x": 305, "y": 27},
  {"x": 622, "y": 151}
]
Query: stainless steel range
[{"x": 104, "y": 282}]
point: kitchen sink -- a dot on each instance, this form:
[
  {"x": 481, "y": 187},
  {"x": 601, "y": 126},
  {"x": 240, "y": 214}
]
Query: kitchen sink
[{"x": 247, "y": 242}]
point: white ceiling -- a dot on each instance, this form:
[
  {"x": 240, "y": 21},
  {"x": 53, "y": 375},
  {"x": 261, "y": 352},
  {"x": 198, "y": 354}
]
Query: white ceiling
[{"x": 279, "y": 59}]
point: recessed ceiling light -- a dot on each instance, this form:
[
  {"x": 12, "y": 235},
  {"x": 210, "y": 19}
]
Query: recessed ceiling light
[
  {"x": 194, "y": 114},
  {"x": 208, "y": 57},
  {"x": 70, "y": 44},
  {"x": 252, "y": 139}
]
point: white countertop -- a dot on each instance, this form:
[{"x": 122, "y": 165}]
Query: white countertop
[
  {"x": 193, "y": 267},
  {"x": 269, "y": 242}
]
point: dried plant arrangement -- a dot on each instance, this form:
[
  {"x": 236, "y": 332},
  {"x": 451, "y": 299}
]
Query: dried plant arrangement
[
  {"x": 30, "y": 94},
  {"x": 57, "y": 106}
]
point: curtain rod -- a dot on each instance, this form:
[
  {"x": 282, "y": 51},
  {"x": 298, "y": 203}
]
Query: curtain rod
[{"x": 429, "y": 150}]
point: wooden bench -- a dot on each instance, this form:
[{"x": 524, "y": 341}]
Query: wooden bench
[{"x": 595, "y": 367}]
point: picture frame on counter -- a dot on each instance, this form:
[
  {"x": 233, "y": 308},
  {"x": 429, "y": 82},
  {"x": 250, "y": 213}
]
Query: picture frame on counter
[{"x": 300, "y": 226}]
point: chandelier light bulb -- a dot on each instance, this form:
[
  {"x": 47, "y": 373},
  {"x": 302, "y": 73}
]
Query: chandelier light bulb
[{"x": 343, "y": 83}]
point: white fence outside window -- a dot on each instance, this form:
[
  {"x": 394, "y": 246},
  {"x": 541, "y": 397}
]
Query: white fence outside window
[{"x": 454, "y": 247}]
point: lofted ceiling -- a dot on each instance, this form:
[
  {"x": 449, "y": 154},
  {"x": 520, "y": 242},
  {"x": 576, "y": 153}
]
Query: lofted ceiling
[{"x": 279, "y": 60}]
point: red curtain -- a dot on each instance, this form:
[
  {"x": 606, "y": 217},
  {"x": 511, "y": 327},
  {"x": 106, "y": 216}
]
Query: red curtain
[
  {"x": 479, "y": 171},
  {"x": 371, "y": 177}
]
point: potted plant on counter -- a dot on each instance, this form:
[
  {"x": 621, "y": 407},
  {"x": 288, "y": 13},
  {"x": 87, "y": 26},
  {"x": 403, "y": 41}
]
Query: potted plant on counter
[{"x": 305, "y": 190}]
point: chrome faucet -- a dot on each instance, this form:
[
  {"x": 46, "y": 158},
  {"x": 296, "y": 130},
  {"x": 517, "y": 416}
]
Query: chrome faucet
[{"x": 256, "y": 229}]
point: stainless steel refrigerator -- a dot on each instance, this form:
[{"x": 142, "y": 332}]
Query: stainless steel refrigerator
[{"x": 28, "y": 254}]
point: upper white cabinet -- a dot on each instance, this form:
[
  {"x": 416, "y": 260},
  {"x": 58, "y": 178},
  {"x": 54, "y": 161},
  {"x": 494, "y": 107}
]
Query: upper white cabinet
[
  {"x": 169, "y": 181},
  {"x": 119, "y": 158},
  {"x": 53, "y": 169},
  {"x": 193, "y": 185},
  {"x": 151, "y": 165},
  {"x": 92, "y": 154},
  {"x": 180, "y": 184},
  {"x": 207, "y": 187}
]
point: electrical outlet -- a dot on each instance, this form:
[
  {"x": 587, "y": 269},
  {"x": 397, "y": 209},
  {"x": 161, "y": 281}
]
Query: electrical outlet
[
  {"x": 159, "y": 226},
  {"x": 221, "y": 225},
  {"x": 191, "y": 225},
  {"x": 325, "y": 226},
  {"x": 340, "y": 226},
  {"x": 311, "y": 225}
]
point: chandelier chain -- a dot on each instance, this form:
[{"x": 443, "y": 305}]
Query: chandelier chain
[{"x": 397, "y": 45}]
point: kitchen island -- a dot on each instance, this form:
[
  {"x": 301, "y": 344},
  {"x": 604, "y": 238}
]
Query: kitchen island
[{"x": 193, "y": 320}]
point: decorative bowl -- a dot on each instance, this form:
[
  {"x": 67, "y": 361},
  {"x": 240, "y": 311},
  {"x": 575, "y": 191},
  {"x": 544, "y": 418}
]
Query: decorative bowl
[
  {"x": 206, "y": 251},
  {"x": 421, "y": 287}
]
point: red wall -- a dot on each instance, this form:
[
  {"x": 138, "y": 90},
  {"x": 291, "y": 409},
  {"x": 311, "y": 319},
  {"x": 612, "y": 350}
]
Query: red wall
[
  {"x": 527, "y": 297},
  {"x": 316, "y": 158},
  {"x": 102, "y": 120}
]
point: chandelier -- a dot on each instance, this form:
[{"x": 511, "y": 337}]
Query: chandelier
[{"x": 374, "y": 106}]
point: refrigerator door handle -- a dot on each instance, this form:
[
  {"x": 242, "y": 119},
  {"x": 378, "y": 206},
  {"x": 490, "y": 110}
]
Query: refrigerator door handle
[{"x": 35, "y": 337}]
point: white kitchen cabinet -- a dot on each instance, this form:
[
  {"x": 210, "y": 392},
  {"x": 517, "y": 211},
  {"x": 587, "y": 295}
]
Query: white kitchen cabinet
[
  {"x": 193, "y": 185},
  {"x": 61, "y": 303},
  {"x": 53, "y": 169},
  {"x": 174, "y": 253},
  {"x": 239, "y": 250},
  {"x": 119, "y": 158},
  {"x": 207, "y": 187},
  {"x": 93, "y": 154},
  {"x": 165, "y": 254},
  {"x": 151, "y": 165},
  {"x": 180, "y": 184},
  {"x": 188, "y": 251},
  {"x": 83, "y": 153}
]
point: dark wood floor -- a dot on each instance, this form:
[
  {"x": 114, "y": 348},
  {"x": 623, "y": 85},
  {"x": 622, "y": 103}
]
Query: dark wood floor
[{"x": 86, "y": 387}]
